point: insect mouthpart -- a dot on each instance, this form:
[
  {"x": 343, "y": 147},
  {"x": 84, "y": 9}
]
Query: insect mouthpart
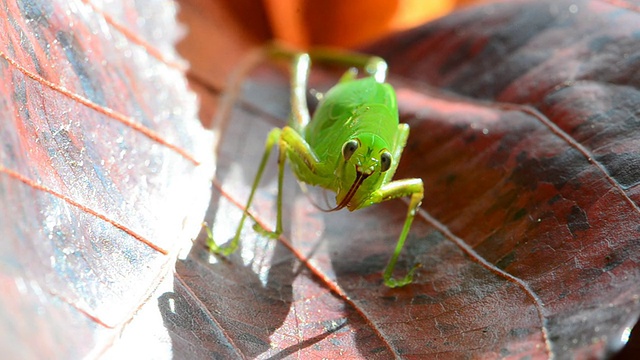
[{"x": 360, "y": 178}]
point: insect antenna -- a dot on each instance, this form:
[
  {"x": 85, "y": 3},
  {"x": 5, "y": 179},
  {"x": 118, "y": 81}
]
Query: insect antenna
[{"x": 327, "y": 206}]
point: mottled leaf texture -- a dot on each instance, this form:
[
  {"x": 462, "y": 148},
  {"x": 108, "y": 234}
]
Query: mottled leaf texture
[
  {"x": 103, "y": 169},
  {"x": 524, "y": 128}
]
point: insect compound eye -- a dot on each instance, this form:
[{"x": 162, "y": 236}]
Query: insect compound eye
[
  {"x": 349, "y": 148},
  {"x": 385, "y": 161}
]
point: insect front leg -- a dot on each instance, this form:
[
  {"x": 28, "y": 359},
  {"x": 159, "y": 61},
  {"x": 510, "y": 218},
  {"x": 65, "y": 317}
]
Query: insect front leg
[
  {"x": 305, "y": 163},
  {"x": 392, "y": 190}
]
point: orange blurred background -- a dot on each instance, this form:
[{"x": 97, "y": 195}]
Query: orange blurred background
[
  {"x": 219, "y": 33},
  {"x": 341, "y": 23}
]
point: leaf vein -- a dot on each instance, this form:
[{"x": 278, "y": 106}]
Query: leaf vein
[
  {"x": 84, "y": 208},
  {"x": 469, "y": 251},
  {"x": 122, "y": 118}
]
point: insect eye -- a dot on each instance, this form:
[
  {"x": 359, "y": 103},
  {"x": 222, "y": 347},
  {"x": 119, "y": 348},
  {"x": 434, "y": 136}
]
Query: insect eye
[
  {"x": 349, "y": 148},
  {"x": 385, "y": 161}
]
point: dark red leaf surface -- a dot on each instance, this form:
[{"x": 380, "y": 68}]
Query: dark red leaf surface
[
  {"x": 553, "y": 200},
  {"x": 104, "y": 170},
  {"x": 524, "y": 128}
]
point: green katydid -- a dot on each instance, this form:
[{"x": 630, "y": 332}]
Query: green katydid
[{"x": 351, "y": 146}]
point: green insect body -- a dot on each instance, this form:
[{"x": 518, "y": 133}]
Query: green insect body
[
  {"x": 362, "y": 118},
  {"x": 351, "y": 146}
]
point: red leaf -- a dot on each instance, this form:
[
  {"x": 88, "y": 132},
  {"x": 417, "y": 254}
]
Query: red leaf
[
  {"x": 548, "y": 192},
  {"x": 523, "y": 119},
  {"x": 103, "y": 170}
]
